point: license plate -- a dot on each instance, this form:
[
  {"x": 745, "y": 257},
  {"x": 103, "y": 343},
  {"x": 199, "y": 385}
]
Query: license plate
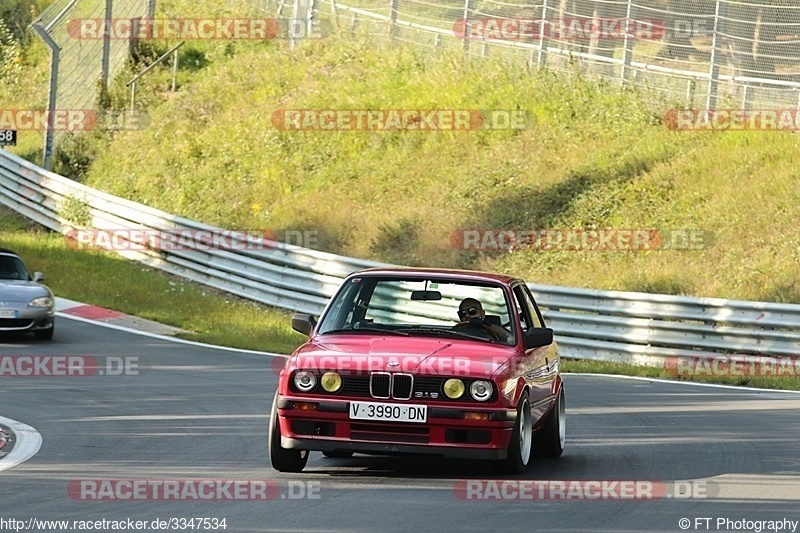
[
  {"x": 8, "y": 313},
  {"x": 391, "y": 412}
]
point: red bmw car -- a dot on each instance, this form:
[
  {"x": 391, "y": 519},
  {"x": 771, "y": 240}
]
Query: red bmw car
[{"x": 422, "y": 361}]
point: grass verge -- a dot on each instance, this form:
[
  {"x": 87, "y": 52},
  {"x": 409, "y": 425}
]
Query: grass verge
[{"x": 603, "y": 367}]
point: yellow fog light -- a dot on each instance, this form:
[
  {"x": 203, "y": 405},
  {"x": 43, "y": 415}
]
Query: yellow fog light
[
  {"x": 454, "y": 388},
  {"x": 331, "y": 381}
]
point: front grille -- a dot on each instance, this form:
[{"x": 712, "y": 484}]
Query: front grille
[
  {"x": 379, "y": 384},
  {"x": 402, "y": 384},
  {"x": 16, "y": 323},
  {"x": 404, "y": 387}
]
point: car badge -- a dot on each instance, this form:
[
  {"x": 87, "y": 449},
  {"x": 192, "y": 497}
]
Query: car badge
[{"x": 394, "y": 363}]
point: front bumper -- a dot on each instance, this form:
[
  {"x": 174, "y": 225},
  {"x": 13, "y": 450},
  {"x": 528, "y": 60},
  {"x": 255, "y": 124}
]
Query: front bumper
[
  {"x": 445, "y": 433},
  {"x": 28, "y": 319}
]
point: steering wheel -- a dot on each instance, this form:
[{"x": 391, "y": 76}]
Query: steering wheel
[{"x": 483, "y": 328}]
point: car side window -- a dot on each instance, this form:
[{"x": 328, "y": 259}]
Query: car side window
[
  {"x": 522, "y": 308},
  {"x": 534, "y": 309}
]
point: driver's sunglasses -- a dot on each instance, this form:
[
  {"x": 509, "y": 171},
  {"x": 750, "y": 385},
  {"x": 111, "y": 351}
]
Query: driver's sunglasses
[{"x": 469, "y": 311}]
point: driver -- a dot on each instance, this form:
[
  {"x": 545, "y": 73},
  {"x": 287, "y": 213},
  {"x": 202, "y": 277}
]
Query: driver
[{"x": 472, "y": 315}]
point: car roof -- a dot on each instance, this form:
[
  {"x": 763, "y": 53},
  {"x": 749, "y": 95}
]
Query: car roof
[
  {"x": 8, "y": 252},
  {"x": 455, "y": 274}
]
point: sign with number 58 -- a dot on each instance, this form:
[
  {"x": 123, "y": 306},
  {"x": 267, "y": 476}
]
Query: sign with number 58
[{"x": 8, "y": 137}]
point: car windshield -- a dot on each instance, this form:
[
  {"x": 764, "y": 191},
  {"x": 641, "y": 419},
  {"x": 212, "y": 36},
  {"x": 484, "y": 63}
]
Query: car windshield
[
  {"x": 12, "y": 268},
  {"x": 421, "y": 307}
]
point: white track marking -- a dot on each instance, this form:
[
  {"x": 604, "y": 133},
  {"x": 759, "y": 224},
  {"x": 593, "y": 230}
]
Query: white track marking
[
  {"x": 27, "y": 442},
  {"x": 692, "y": 383}
]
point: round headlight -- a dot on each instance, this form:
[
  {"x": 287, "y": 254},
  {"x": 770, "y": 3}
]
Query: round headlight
[
  {"x": 481, "y": 390},
  {"x": 454, "y": 388},
  {"x": 305, "y": 381},
  {"x": 331, "y": 381}
]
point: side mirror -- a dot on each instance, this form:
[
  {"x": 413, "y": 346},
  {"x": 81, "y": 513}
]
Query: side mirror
[
  {"x": 536, "y": 337},
  {"x": 303, "y": 323},
  {"x": 38, "y": 276}
]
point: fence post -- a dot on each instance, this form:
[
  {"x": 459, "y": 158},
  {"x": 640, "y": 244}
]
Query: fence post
[
  {"x": 627, "y": 44},
  {"x": 106, "y": 55},
  {"x": 175, "y": 71},
  {"x": 544, "y": 26},
  {"x": 151, "y": 9},
  {"x": 394, "y": 5},
  {"x": 467, "y": 10},
  {"x": 713, "y": 82},
  {"x": 301, "y": 11},
  {"x": 51, "y": 100}
]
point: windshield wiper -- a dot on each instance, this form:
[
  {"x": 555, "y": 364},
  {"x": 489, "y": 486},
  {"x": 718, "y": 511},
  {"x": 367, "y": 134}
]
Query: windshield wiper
[
  {"x": 445, "y": 333},
  {"x": 367, "y": 329}
]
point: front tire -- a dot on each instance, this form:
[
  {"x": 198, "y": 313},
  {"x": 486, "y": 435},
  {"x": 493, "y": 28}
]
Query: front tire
[
  {"x": 45, "y": 334},
  {"x": 551, "y": 439},
  {"x": 519, "y": 449},
  {"x": 282, "y": 459}
]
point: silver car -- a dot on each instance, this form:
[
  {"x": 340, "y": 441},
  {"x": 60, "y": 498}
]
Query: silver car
[{"x": 25, "y": 304}]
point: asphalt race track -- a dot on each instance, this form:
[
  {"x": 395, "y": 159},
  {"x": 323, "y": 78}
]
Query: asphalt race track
[{"x": 192, "y": 413}]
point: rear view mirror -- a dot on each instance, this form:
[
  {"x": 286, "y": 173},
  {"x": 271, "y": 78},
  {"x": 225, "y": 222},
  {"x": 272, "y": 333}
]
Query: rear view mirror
[
  {"x": 426, "y": 296},
  {"x": 38, "y": 276},
  {"x": 303, "y": 323},
  {"x": 537, "y": 337}
]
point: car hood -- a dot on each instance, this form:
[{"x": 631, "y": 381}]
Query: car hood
[
  {"x": 12, "y": 290},
  {"x": 417, "y": 355}
]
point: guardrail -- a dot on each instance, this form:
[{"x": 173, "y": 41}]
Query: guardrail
[{"x": 618, "y": 326}]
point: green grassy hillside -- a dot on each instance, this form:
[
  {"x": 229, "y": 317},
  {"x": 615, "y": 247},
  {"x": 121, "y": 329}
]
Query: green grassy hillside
[{"x": 595, "y": 158}]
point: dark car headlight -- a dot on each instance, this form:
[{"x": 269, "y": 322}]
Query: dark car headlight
[{"x": 305, "y": 381}]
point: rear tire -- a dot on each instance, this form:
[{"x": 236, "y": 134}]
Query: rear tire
[
  {"x": 519, "y": 449},
  {"x": 282, "y": 459},
  {"x": 551, "y": 439}
]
